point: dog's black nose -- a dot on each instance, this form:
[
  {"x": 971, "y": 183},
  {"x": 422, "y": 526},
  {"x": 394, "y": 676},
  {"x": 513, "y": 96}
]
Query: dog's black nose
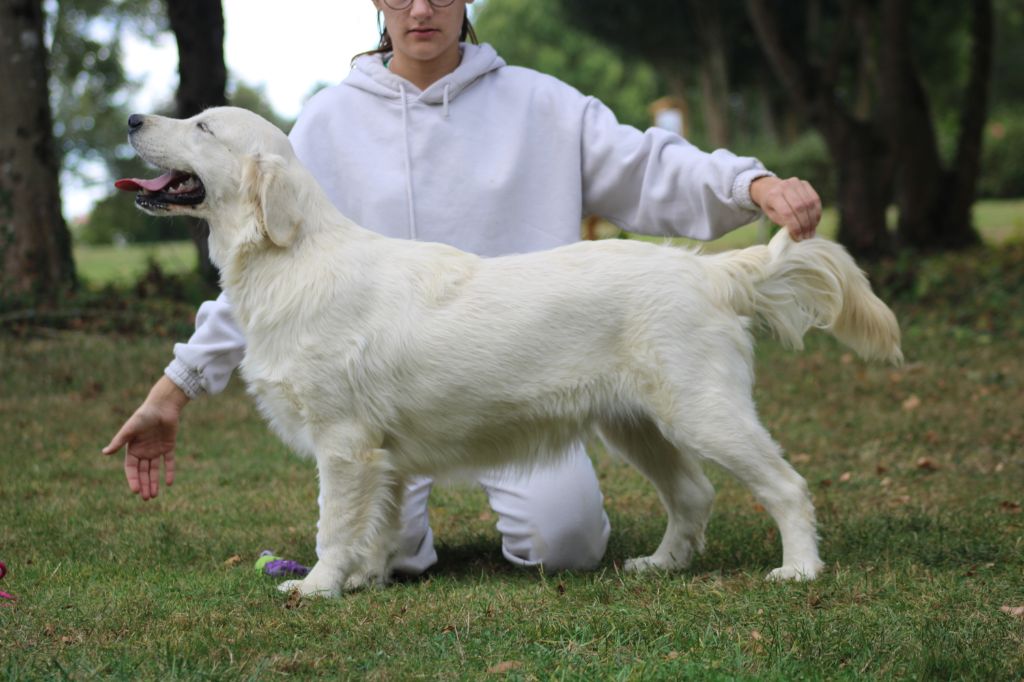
[{"x": 135, "y": 122}]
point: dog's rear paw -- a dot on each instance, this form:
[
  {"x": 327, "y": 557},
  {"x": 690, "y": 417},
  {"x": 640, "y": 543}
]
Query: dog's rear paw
[{"x": 803, "y": 571}]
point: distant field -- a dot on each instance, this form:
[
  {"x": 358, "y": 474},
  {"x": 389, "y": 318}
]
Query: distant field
[{"x": 120, "y": 265}]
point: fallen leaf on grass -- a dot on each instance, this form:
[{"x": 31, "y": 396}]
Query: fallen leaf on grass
[
  {"x": 911, "y": 403},
  {"x": 1010, "y": 507},
  {"x": 927, "y": 464},
  {"x": 1014, "y": 611},
  {"x": 672, "y": 655},
  {"x": 505, "y": 666},
  {"x": 233, "y": 561},
  {"x": 294, "y": 600},
  {"x": 845, "y": 477}
]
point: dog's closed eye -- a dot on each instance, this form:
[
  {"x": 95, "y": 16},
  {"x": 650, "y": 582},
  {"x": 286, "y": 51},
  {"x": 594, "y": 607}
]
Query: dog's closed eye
[{"x": 205, "y": 128}]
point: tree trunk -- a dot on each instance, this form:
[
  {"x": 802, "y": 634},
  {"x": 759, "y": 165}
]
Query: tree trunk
[
  {"x": 906, "y": 117},
  {"x": 714, "y": 73},
  {"x": 863, "y": 188},
  {"x": 35, "y": 245},
  {"x": 934, "y": 203},
  {"x": 958, "y": 230},
  {"x": 198, "y": 27},
  {"x": 857, "y": 147}
]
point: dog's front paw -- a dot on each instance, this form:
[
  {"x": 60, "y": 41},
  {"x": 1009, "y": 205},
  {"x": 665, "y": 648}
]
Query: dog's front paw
[
  {"x": 307, "y": 589},
  {"x": 803, "y": 571},
  {"x": 361, "y": 581},
  {"x": 320, "y": 582},
  {"x": 653, "y": 563}
]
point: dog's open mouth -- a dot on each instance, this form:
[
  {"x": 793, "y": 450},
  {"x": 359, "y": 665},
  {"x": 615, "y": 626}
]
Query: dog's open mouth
[{"x": 171, "y": 188}]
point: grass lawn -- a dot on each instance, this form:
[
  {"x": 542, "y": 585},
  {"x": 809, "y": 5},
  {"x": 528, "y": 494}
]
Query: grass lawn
[
  {"x": 121, "y": 265},
  {"x": 917, "y": 473}
]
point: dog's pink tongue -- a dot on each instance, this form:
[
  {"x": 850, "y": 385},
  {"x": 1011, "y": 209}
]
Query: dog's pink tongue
[{"x": 154, "y": 185}]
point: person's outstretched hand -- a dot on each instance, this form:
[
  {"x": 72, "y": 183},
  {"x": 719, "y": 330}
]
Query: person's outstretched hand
[
  {"x": 149, "y": 435},
  {"x": 792, "y": 203}
]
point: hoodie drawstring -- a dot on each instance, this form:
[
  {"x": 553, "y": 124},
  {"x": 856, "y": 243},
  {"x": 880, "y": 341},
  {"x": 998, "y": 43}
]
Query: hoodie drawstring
[
  {"x": 408, "y": 162},
  {"x": 444, "y": 99}
]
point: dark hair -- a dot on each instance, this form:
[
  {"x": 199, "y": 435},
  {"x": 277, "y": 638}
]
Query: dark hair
[{"x": 385, "y": 46}]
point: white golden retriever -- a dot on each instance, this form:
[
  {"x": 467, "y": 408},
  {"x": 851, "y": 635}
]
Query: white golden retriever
[{"x": 385, "y": 358}]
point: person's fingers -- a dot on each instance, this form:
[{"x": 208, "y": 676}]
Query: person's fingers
[
  {"x": 809, "y": 207},
  {"x": 131, "y": 472},
  {"x": 144, "y": 478},
  {"x": 816, "y": 206},
  {"x": 119, "y": 440},
  {"x": 169, "y": 468},
  {"x": 794, "y": 204}
]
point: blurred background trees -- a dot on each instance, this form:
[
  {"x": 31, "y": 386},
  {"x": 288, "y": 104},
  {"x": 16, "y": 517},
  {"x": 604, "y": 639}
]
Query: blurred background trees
[
  {"x": 35, "y": 247},
  {"x": 901, "y": 112}
]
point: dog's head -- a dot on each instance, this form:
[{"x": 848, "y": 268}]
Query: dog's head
[{"x": 227, "y": 166}]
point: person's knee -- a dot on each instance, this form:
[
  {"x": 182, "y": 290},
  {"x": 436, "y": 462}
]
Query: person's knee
[
  {"x": 554, "y": 516},
  {"x": 578, "y": 548},
  {"x": 558, "y": 543}
]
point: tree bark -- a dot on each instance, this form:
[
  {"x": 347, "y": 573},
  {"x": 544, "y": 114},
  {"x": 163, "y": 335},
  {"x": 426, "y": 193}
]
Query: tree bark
[
  {"x": 198, "y": 27},
  {"x": 858, "y": 148},
  {"x": 714, "y": 73},
  {"x": 963, "y": 177},
  {"x": 35, "y": 245},
  {"x": 907, "y": 120}
]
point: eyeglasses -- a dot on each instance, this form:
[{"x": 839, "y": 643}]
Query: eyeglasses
[{"x": 405, "y": 4}]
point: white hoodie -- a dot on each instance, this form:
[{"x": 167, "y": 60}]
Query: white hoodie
[{"x": 492, "y": 159}]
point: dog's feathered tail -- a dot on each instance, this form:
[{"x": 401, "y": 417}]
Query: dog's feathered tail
[{"x": 790, "y": 287}]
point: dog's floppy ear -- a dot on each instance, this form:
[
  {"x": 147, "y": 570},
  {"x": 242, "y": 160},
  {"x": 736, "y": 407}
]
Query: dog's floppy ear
[{"x": 267, "y": 183}]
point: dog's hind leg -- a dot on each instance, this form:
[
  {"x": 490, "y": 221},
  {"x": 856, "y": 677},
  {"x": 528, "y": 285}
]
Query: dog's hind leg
[
  {"x": 729, "y": 433},
  {"x": 360, "y": 503},
  {"x": 676, "y": 474}
]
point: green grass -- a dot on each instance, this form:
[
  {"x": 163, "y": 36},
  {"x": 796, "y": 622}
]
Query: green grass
[
  {"x": 121, "y": 265},
  {"x": 917, "y": 475}
]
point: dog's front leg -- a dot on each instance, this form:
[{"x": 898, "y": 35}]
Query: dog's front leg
[{"x": 360, "y": 500}]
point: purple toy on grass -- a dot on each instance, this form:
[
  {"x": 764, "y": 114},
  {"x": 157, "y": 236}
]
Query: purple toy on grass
[{"x": 277, "y": 567}]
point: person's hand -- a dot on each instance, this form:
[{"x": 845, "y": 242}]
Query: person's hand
[
  {"x": 148, "y": 436},
  {"x": 792, "y": 203}
]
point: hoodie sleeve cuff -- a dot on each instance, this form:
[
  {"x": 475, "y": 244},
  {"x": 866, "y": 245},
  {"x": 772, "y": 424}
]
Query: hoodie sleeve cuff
[
  {"x": 741, "y": 187},
  {"x": 185, "y": 378}
]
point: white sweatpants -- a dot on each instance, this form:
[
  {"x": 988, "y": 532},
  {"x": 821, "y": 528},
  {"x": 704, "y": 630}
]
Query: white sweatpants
[{"x": 551, "y": 516}]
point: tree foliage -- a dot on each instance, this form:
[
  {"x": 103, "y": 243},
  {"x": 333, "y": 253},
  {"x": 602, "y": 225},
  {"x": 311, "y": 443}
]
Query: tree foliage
[
  {"x": 89, "y": 87},
  {"x": 535, "y": 34},
  {"x": 853, "y": 69},
  {"x": 698, "y": 47}
]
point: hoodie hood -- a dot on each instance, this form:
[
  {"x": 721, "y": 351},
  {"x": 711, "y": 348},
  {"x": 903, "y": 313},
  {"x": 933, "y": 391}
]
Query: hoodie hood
[{"x": 370, "y": 74}]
